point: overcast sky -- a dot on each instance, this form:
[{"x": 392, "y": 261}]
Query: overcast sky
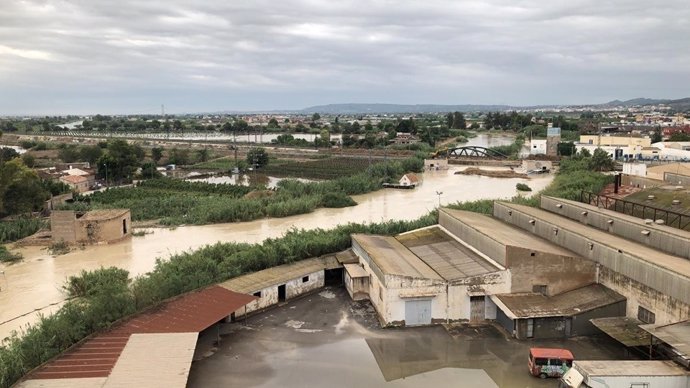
[{"x": 131, "y": 56}]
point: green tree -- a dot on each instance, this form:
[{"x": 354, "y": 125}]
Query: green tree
[
  {"x": 202, "y": 154},
  {"x": 21, "y": 190},
  {"x": 315, "y": 117},
  {"x": 7, "y": 154},
  {"x": 120, "y": 161},
  {"x": 68, "y": 153},
  {"x": 273, "y": 123},
  {"x": 456, "y": 120},
  {"x": 566, "y": 148},
  {"x": 157, "y": 154},
  {"x": 178, "y": 156},
  {"x": 29, "y": 160},
  {"x": 258, "y": 157},
  {"x": 90, "y": 154},
  {"x": 601, "y": 161},
  {"x": 679, "y": 136}
]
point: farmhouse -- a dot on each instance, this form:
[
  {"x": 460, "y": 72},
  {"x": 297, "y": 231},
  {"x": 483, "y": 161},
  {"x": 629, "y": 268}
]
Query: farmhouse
[{"x": 93, "y": 227}]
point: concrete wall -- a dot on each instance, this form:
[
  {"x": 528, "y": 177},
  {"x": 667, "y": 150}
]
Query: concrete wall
[
  {"x": 62, "y": 225},
  {"x": 544, "y": 328},
  {"x": 293, "y": 288},
  {"x": 581, "y": 326},
  {"x": 459, "y": 306},
  {"x": 637, "y": 169},
  {"x": 655, "y": 278},
  {"x": 666, "y": 308},
  {"x": 358, "y": 288},
  {"x": 394, "y": 305},
  {"x": 641, "y": 182},
  {"x": 109, "y": 230},
  {"x": 559, "y": 273},
  {"x": 677, "y": 179},
  {"x": 663, "y": 238},
  {"x": 476, "y": 239}
]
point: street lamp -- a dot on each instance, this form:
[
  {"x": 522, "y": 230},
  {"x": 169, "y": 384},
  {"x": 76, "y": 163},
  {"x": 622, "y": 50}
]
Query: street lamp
[
  {"x": 439, "y": 193},
  {"x": 106, "y": 174}
]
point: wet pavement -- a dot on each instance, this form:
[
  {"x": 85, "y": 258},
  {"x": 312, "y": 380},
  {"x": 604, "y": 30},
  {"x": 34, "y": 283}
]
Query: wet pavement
[{"x": 326, "y": 340}]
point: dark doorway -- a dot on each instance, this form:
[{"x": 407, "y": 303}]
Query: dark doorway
[
  {"x": 281, "y": 293},
  {"x": 124, "y": 226},
  {"x": 334, "y": 277}
]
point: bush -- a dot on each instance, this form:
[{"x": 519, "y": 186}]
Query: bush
[
  {"x": 523, "y": 187},
  {"x": 8, "y": 257},
  {"x": 18, "y": 229}
]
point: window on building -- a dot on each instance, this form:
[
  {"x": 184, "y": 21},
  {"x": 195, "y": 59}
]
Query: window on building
[
  {"x": 305, "y": 279},
  {"x": 257, "y": 294},
  {"x": 539, "y": 288},
  {"x": 645, "y": 315}
]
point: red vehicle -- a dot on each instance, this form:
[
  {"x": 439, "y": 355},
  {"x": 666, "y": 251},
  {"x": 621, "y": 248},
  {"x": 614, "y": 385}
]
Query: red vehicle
[{"x": 549, "y": 362}]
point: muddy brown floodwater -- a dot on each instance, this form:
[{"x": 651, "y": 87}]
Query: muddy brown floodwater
[{"x": 32, "y": 285}]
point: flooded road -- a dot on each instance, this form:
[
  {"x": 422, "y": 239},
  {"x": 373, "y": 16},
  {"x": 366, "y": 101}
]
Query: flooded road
[
  {"x": 326, "y": 340},
  {"x": 36, "y": 282}
]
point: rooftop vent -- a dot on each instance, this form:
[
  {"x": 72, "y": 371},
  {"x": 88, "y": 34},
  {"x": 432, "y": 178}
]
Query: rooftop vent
[
  {"x": 659, "y": 222},
  {"x": 532, "y": 222},
  {"x": 584, "y": 213},
  {"x": 650, "y": 197},
  {"x": 648, "y": 221},
  {"x": 645, "y": 232},
  {"x": 559, "y": 205},
  {"x": 610, "y": 221},
  {"x": 676, "y": 202}
]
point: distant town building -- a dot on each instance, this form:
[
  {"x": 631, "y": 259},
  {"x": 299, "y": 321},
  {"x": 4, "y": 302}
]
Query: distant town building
[{"x": 77, "y": 183}]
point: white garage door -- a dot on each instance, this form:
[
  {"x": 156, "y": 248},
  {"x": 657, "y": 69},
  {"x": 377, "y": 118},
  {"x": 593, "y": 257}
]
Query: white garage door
[{"x": 417, "y": 312}]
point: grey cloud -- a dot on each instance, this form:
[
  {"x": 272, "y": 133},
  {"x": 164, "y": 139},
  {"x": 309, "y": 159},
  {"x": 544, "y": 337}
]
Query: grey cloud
[{"x": 131, "y": 56}]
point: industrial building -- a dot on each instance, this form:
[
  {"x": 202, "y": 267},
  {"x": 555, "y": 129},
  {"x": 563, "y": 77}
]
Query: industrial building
[{"x": 454, "y": 271}]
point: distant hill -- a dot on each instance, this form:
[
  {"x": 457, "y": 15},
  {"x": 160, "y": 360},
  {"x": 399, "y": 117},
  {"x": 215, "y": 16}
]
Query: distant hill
[
  {"x": 354, "y": 108},
  {"x": 679, "y": 104}
]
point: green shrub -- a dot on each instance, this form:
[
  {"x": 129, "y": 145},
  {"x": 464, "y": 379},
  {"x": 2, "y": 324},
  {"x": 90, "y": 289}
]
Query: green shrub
[
  {"x": 523, "y": 187},
  {"x": 8, "y": 257}
]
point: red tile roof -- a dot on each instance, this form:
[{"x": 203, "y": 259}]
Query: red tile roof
[{"x": 192, "y": 312}]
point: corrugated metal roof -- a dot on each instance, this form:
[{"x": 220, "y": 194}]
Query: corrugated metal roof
[
  {"x": 260, "y": 280},
  {"x": 676, "y": 335},
  {"x": 533, "y": 305},
  {"x": 445, "y": 255},
  {"x": 154, "y": 360},
  {"x": 625, "y": 330},
  {"x": 192, "y": 312},
  {"x": 394, "y": 258}
]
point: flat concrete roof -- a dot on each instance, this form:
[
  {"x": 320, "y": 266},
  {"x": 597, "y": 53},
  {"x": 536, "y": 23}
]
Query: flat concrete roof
[
  {"x": 630, "y": 368},
  {"x": 103, "y": 214},
  {"x": 675, "y": 264},
  {"x": 356, "y": 271},
  {"x": 393, "y": 258},
  {"x": 445, "y": 255},
  {"x": 154, "y": 360},
  {"x": 622, "y": 216},
  {"x": 276, "y": 276},
  {"x": 625, "y": 330},
  {"x": 534, "y": 305},
  {"x": 676, "y": 334},
  {"x": 506, "y": 234}
]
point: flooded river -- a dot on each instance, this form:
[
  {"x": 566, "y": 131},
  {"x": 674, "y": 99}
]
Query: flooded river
[{"x": 31, "y": 285}]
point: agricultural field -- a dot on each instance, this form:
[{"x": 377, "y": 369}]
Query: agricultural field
[{"x": 322, "y": 169}]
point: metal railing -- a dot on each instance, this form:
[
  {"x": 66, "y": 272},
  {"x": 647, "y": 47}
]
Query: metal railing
[{"x": 671, "y": 218}]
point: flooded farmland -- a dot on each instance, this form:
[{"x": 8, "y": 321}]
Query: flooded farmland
[{"x": 34, "y": 285}]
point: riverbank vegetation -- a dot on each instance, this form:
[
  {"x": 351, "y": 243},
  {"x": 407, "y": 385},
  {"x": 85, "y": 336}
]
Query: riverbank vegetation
[
  {"x": 175, "y": 202},
  {"x": 104, "y": 296},
  {"x": 17, "y": 229}
]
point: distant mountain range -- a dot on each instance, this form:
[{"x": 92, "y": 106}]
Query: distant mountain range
[{"x": 354, "y": 108}]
